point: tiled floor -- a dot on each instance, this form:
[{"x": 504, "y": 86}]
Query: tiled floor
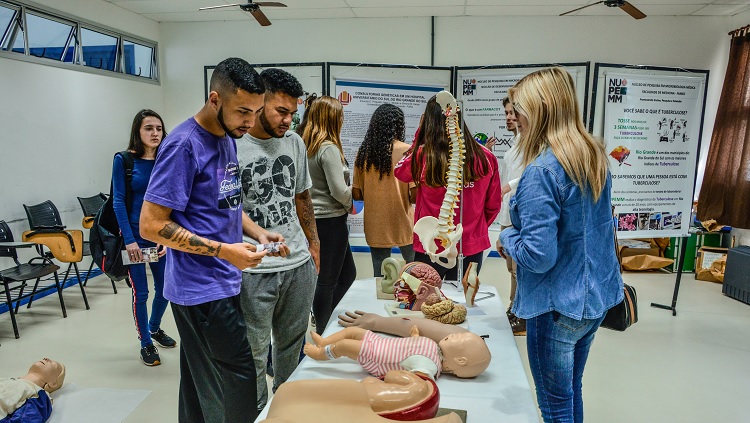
[{"x": 694, "y": 367}]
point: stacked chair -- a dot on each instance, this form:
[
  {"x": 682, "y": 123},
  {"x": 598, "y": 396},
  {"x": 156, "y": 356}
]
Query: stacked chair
[
  {"x": 47, "y": 230},
  {"x": 14, "y": 278}
]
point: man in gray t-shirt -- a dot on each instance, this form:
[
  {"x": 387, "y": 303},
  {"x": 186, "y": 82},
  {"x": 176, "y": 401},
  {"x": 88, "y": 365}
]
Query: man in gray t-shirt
[{"x": 277, "y": 295}]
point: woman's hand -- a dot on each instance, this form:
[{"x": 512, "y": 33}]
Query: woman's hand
[
  {"x": 506, "y": 188},
  {"x": 134, "y": 252},
  {"x": 161, "y": 250},
  {"x": 500, "y": 249}
]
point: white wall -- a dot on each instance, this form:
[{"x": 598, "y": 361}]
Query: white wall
[
  {"x": 689, "y": 42},
  {"x": 187, "y": 47},
  {"x": 60, "y": 127}
]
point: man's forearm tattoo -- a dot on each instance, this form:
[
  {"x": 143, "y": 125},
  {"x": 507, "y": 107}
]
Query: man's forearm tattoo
[
  {"x": 307, "y": 218},
  {"x": 188, "y": 241}
]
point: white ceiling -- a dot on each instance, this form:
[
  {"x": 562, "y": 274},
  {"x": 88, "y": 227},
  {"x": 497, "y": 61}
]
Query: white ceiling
[{"x": 187, "y": 10}]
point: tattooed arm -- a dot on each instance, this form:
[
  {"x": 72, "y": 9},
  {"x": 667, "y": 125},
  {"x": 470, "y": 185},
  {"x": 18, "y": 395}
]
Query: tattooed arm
[
  {"x": 306, "y": 216},
  {"x": 157, "y": 226}
]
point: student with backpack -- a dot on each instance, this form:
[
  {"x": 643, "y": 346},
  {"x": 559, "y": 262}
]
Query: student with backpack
[{"x": 146, "y": 134}]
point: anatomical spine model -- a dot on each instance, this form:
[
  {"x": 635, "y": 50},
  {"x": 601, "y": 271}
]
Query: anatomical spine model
[{"x": 442, "y": 230}]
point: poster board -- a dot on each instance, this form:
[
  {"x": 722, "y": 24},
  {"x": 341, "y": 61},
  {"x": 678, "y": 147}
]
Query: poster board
[
  {"x": 361, "y": 88},
  {"x": 482, "y": 90},
  {"x": 311, "y": 75},
  {"x": 651, "y": 119}
]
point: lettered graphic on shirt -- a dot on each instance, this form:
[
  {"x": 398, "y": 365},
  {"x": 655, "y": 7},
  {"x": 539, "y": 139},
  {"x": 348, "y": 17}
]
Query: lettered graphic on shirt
[
  {"x": 269, "y": 188},
  {"x": 230, "y": 188}
]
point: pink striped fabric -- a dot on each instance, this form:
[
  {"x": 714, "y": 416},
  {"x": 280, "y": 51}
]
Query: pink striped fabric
[{"x": 379, "y": 354}]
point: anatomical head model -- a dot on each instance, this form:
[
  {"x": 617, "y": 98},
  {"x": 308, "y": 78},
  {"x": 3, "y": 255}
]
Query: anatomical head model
[{"x": 417, "y": 282}]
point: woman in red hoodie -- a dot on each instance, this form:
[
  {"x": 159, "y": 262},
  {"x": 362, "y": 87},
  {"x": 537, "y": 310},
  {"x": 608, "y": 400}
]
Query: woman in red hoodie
[{"x": 480, "y": 198}]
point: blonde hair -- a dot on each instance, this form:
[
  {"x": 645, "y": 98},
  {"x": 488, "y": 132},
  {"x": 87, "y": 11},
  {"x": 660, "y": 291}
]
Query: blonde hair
[
  {"x": 547, "y": 99},
  {"x": 325, "y": 119}
]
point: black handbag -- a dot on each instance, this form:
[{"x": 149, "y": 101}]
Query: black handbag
[{"x": 623, "y": 315}]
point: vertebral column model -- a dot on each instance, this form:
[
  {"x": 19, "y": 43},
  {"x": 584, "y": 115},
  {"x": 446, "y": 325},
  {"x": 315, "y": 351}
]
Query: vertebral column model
[{"x": 442, "y": 231}]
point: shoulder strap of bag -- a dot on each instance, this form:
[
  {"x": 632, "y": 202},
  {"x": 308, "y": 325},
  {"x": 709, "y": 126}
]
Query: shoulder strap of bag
[
  {"x": 617, "y": 247},
  {"x": 127, "y": 165}
]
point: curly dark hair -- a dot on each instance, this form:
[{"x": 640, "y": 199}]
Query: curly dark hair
[
  {"x": 387, "y": 124},
  {"x": 279, "y": 80}
]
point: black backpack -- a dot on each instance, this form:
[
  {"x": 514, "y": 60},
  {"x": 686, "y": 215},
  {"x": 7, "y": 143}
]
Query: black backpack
[{"x": 105, "y": 238}]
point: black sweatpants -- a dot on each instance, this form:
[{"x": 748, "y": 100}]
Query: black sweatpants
[{"x": 217, "y": 372}]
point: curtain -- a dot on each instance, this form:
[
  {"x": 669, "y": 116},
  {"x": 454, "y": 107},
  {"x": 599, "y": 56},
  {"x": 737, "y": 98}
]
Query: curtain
[{"x": 725, "y": 192}]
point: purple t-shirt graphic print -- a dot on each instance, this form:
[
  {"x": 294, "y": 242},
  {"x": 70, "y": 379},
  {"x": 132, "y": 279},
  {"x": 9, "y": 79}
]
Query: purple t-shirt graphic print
[{"x": 230, "y": 187}]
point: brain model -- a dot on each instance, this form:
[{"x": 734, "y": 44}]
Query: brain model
[{"x": 417, "y": 282}]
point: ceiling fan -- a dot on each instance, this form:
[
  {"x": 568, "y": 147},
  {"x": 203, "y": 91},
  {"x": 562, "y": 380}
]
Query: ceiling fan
[
  {"x": 627, "y": 7},
  {"x": 253, "y": 8}
]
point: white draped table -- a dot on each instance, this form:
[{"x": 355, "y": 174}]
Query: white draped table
[{"x": 500, "y": 394}]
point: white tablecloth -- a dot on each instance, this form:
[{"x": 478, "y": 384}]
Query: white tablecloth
[{"x": 500, "y": 394}]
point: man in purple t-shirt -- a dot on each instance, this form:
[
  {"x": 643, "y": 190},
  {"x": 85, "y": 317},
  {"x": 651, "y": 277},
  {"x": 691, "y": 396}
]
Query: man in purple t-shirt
[{"x": 193, "y": 205}]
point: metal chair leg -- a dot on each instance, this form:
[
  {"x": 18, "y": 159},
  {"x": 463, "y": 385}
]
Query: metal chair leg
[
  {"x": 88, "y": 273},
  {"x": 31, "y": 297},
  {"x": 60, "y": 295},
  {"x": 80, "y": 285},
  {"x": 20, "y": 295},
  {"x": 9, "y": 302}
]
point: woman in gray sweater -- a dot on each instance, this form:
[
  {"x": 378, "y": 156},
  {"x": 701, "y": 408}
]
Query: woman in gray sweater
[{"x": 332, "y": 202}]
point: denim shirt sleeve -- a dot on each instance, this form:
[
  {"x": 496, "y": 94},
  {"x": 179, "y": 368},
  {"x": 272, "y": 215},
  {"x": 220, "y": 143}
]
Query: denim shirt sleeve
[{"x": 537, "y": 206}]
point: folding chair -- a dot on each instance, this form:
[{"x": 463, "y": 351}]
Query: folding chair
[
  {"x": 48, "y": 231},
  {"x": 90, "y": 206},
  {"x": 14, "y": 278}
]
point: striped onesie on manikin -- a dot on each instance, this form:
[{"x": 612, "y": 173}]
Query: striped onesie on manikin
[{"x": 379, "y": 354}]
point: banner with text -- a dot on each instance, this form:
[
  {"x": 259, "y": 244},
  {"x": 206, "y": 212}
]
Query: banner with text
[
  {"x": 651, "y": 128},
  {"x": 360, "y": 99},
  {"x": 482, "y": 93}
]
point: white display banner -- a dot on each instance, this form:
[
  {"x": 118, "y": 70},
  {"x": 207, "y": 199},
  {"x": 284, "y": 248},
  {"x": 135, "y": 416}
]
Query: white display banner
[
  {"x": 651, "y": 129},
  {"x": 360, "y": 99},
  {"x": 482, "y": 93}
]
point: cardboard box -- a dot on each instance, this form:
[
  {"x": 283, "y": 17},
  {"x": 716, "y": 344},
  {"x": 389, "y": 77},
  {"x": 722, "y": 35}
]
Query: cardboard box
[
  {"x": 694, "y": 243},
  {"x": 644, "y": 247},
  {"x": 706, "y": 257}
]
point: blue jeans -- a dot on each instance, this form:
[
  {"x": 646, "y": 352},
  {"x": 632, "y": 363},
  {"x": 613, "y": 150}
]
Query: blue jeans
[
  {"x": 139, "y": 282},
  {"x": 558, "y": 347}
]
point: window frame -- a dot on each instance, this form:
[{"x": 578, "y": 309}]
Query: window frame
[
  {"x": 9, "y": 31},
  {"x": 73, "y": 30},
  {"x": 22, "y": 7}
]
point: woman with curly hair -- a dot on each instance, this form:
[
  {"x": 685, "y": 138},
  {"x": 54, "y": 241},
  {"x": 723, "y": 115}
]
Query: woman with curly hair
[
  {"x": 426, "y": 165},
  {"x": 389, "y": 216},
  {"x": 332, "y": 202}
]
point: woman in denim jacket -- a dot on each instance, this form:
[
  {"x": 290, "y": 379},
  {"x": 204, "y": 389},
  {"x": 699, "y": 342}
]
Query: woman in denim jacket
[{"x": 561, "y": 239}]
